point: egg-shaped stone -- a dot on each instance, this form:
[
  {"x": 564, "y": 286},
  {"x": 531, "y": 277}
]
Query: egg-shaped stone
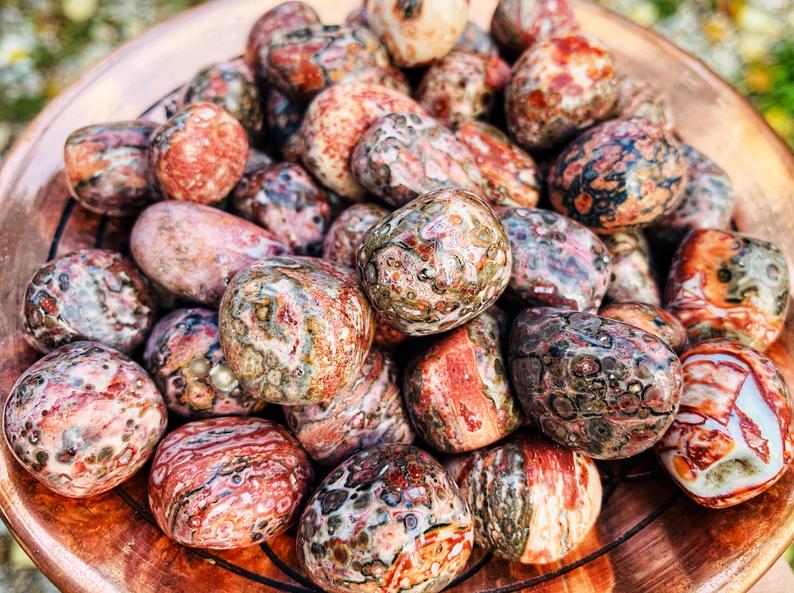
[
  {"x": 519, "y": 24},
  {"x": 405, "y": 155},
  {"x": 638, "y": 98},
  {"x": 556, "y": 261},
  {"x": 621, "y": 174},
  {"x": 732, "y": 438},
  {"x": 462, "y": 86},
  {"x": 344, "y": 236},
  {"x": 334, "y": 123},
  {"x": 281, "y": 19},
  {"x": 91, "y": 294},
  {"x": 83, "y": 419},
  {"x": 367, "y": 412},
  {"x": 199, "y": 154},
  {"x": 230, "y": 85},
  {"x": 724, "y": 284},
  {"x": 107, "y": 167},
  {"x": 389, "y": 519},
  {"x": 435, "y": 263},
  {"x": 652, "y": 319},
  {"x": 303, "y": 62},
  {"x": 192, "y": 251},
  {"x": 284, "y": 119},
  {"x": 457, "y": 391},
  {"x": 592, "y": 384},
  {"x": 184, "y": 357},
  {"x": 559, "y": 87},
  {"x": 475, "y": 38},
  {"x": 417, "y": 33},
  {"x": 228, "y": 482},
  {"x": 532, "y": 500},
  {"x": 284, "y": 199},
  {"x": 707, "y": 203},
  {"x": 295, "y": 330},
  {"x": 509, "y": 175},
  {"x": 633, "y": 274}
]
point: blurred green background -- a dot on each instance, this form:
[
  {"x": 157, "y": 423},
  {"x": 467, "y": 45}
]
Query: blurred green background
[{"x": 47, "y": 44}]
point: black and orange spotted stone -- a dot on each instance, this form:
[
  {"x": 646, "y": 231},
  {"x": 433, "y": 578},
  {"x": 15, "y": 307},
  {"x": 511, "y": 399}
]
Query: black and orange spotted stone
[
  {"x": 519, "y": 24},
  {"x": 652, "y": 319},
  {"x": 283, "y": 119},
  {"x": 592, "y": 384}
]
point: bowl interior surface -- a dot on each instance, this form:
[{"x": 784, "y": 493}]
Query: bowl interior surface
[{"x": 649, "y": 537}]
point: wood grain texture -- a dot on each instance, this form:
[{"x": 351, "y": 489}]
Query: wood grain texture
[{"x": 649, "y": 538}]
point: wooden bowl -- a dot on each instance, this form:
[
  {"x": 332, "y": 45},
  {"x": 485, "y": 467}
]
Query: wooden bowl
[{"x": 649, "y": 538}]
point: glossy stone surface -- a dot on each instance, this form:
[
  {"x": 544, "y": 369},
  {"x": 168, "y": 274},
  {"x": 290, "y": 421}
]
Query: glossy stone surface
[
  {"x": 228, "y": 482},
  {"x": 405, "y": 155},
  {"x": 367, "y": 412},
  {"x": 457, "y": 391},
  {"x": 435, "y": 263},
  {"x": 107, "y": 167},
  {"x": 510, "y": 176},
  {"x": 284, "y": 119},
  {"x": 285, "y": 200},
  {"x": 199, "y": 154},
  {"x": 707, "y": 203},
  {"x": 556, "y": 261},
  {"x": 621, "y": 174},
  {"x": 724, "y": 284},
  {"x": 282, "y": 18},
  {"x": 732, "y": 438},
  {"x": 192, "y": 251},
  {"x": 230, "y": 85},
  {"x": 633, "y": 276},
  {"x": 519, "y": 24},
  {"x": 532, "y": 500},
  {"x": 91, "y": 294},
  {"x": 303, "y": 62},
  {"x": 417, "y": 33},
  {"x": 652, "y": 319},
  {"x": 640, "y": 99},
  {"x": 475, "y": 38},
  {"x": 462, "y": 86},
  {"x": 295, "y": 330},
  {"x": 83, "y": 419},
  {"x": 592, "y": 384},
  {"x": 559, "y": 87},
  {"x": 335, "y": 121},
  {"x": 183, "y": 355},
  {"x": 389, "y": 519}
]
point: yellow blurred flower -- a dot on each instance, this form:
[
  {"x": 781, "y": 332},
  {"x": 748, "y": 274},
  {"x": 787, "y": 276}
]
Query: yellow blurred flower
[
  {"x": 78, "y": 11},
  {"x": 780, "y": 121},
  {"x": 715, "y": 29},
  {"x": 644, "y": 13},
  {"x": 758, "y": 78}
]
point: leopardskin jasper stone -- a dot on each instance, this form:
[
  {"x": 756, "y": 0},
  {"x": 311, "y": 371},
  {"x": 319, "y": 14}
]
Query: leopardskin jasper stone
[
  {"x": 91, "y": 294},
  {"x": 367, "y": 412},
  {"x": 640, "y": 99},
  {"x": 519, "y": 24},
  {"x": 387, "y": 520},
  {"x": 618, "y": 175},
  {"x": 633, "y": 275},
  {"x": 303, "y": 62},
  {"x": 532, "y": 500},
  {"x": 732, "y": 438},
  {"x": 107, "y": 167},
  {"x": 558, "y": 87},
  {"x": 184, "y": 357},
  {"x": 335, "y": 121},
  {"x": 230, "y": 85},
  {"x": 199, "y": 154},
  {"x": 295, "y": 330},
  {"x": 475, "y": 38},
  {"x": 652, "y": 319},
  {"x": 723, "y": 284},
  {"x": 284, "y": 199},
  {"x": 417, "y": 33},
  {"x": 462, "y": 86},
  {"x": 228, "y": 482},
  {"x": 405, "y": 155},
  {"x": 284, "y": 119},
  {"x": 707, "y": 204},
  {"x": 435, "y": 263},
  {"x": 457, "y": 391},
  {"x": 556, "y": 261},
  {"x": 592, "y": 384},
  {"x": 510, "y": 176},
  {"x": 83, "y": 419}
]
